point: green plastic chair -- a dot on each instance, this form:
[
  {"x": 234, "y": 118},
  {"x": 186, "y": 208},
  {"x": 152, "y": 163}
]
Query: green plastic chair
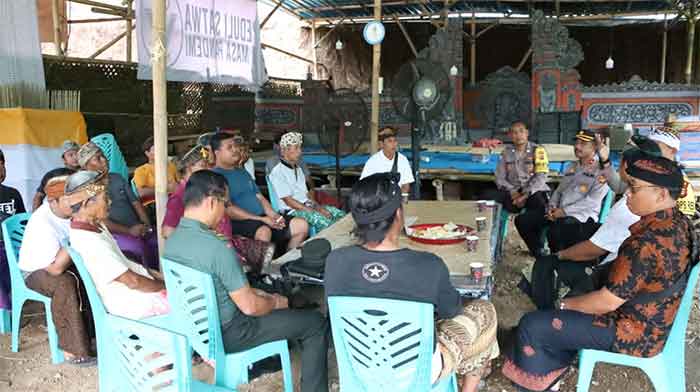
[
  {"x": 384, "y": 345},
  {"x": 148, "y": 358},
  {"x": 110, "y": 149},
  {"x": 666, "y": 370},
  {"x": 12, "y": 233},
  {"x": 195, "y": 311}
]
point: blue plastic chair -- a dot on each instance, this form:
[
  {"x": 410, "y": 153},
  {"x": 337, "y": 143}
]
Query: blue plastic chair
[
  {"x": 5, "y": 325},
  {"x": 110, "y": 149},
  {"x": 384, "y": 345},
  {"x": 12, "y": 234},
  {"x": 666, "y": 370},
  {"x": 148, "y": 358},
  {"x": 605, "y": 208},
  {"x": 193, "y": 303},
  {"x": 100, "y": 316},
  {"x": 275, "y": 205}
]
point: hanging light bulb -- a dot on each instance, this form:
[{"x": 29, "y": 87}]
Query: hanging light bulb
[
  {"x": 609, "y": 63},
  {"x": 454, "y": 71},
  {"x": 338, "y": 44}
]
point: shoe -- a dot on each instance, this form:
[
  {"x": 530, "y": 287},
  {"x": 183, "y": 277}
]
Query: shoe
[
  {"x": 264, "y": 366},
  {"x": 83, "y": 362}
]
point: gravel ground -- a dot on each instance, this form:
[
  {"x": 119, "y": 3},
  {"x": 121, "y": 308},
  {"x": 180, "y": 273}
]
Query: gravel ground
[{"x": 31, "y": 368}]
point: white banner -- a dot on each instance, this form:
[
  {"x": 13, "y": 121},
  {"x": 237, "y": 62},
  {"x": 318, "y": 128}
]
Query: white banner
[{"x": 207, "y": 41}]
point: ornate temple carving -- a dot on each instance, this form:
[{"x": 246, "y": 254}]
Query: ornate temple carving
[
  {"x": 505, "y": 98},
  {"x": 638, "y": 84},
  {"x": 635, "y": 113}
]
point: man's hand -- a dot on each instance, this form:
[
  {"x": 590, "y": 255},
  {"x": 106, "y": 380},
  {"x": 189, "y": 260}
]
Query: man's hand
[
  {"x": 602, "y": 147},
  {"x": 514, "y": 195},
  {"x": 520, "y": 201},
  {"x": 555, "y": 213},
  {"x": 324, "y": 212},
  {"x": 276, "y": 221},
  {"x": 281, "y": 302},
  {"x": 138, "y": 230}
]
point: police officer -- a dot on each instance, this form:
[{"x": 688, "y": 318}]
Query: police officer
[
  {"x": 521, "y": 174},
  {"x": 573, "y": 210}
]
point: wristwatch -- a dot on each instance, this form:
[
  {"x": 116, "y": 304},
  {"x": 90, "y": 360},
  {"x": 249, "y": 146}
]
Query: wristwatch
[{"x": 604, "y": 163}]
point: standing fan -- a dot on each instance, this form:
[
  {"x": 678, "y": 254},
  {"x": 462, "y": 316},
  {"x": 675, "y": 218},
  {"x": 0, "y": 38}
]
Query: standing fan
[
  {"x": 344, "y": 126},
  {"x": 419, "y": 93}
]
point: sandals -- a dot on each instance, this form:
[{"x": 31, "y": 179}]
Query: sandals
[{"x": 83, "y": 362}]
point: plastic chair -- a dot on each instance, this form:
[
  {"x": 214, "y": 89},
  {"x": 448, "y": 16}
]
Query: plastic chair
[
  {"x": 150, "y": 359},
  {"x": 605, "y": 208},
  {"x": 110, "y": 149},
  {"x": 666, "y": 370},
  {"x": 100, "y": 316},
  {"x": 193, "y": 303},
  {"x": 134, "y": 188},
  {"x": 12, "y": 234},
  {"x": 274, "y": 202},
  {"x": 5, "y": 325},
  {"x": 384, "y": 345}
]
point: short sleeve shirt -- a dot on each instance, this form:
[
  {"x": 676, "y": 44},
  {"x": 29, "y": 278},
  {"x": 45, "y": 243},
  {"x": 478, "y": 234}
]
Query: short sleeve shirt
[
  {"x": 175, "y": 210},
  {"x": 10, "y": 201},
  {"x": 403, "y": 274},
  {"x": 122, "y": 196},
  {"x": 48, "y": 230},
  {"x": 145, "y": 175},
  {"x": 196, "y": 246},
  {"x": 652, "y": 259},
  {"x": 379, "y": 163},
  {"x": 615, "y": 230},
  {"x": 288, "y": 181},
  {"x": 105, "y": 262},
  {"x": 242, "y": 189}
]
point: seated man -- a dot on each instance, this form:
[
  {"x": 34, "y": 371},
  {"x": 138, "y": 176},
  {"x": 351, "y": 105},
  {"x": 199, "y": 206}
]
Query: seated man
[
  {"x": 389, "y": 159},
  {"x": 573, "y": 210},
  {"x": 251, "y": 214},
  {"x": 467, "y": 333},
  {"x": 275, "y": 159},
  {"x": 289, "y": 183},
  {"x": 649, "y": 273},
  {"x": 521, "y": 174},
  {"x": 10, "y": 203},
  {"x": 127, "y": 289},
  {"x": 127, "y": 221},
  {"x": 145, "y": 175},
  {"x": 48, "y": 269},
  {"x": 70, "y": 161},
  {"x": 249, "y": 317}
]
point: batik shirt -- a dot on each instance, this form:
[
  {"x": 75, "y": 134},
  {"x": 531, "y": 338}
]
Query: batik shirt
[{"x": 652, "y": 259}]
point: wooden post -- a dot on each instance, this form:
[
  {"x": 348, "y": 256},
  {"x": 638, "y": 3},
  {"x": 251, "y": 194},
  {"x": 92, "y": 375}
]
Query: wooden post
[
  {"x": 129, "y": 21},
  {"x": 472, "y": 58},
  {"x": 376, "y": 66},
  {"x": 159, "y": 55},
  {"x": 664, "y": 46},
  {"x": 691, "y": 46},
  {"x": 56, "y": 28},
  {"x": 314, "y": 57}
]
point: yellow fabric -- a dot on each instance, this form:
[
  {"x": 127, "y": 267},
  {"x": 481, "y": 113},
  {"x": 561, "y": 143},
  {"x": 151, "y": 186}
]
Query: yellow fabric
[
  {"x": 541, "y": 160},
  {"x": 686, "y": 204},
  {"x": 145, "y": 175},
  {"x": 45, "y": 128}
]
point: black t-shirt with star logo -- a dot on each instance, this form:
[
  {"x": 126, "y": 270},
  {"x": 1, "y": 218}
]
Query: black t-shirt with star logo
[{"x": 403, "y": 274}]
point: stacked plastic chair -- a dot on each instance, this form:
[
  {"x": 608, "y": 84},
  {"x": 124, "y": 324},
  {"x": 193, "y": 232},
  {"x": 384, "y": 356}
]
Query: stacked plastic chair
[
  {"x": 111, "y": 151},
  {"x": 13, "y": 232},
  {"x": 384, "y": 345},
  {"x": 194, "y": 310}
]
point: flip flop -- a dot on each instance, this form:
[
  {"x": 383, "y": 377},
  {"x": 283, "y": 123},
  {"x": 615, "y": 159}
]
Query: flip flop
[{"x": 83, "y": 362}]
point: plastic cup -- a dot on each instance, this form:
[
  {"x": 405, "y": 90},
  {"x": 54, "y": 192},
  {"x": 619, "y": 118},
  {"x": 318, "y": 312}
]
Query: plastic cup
[
  {"x": 480, "y": 223},
  {"x": 481, "y": 205},
  {"x": 472, "y": 243},
  {"x": 476, "y": 271}
]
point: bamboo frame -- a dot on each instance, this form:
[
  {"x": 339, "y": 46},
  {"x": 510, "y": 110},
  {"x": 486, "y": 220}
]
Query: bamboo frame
[
  {"x": 109, "y": 44},
  {"x": 408, "y": 37},
  {"x": 129, "y": 25},
  {"x": 290, "y": 54},
  {"x": 314, "y": 54},
  {"x": 323, "y": 38},
  {"x": 106, "y": 11},
  {"x": 277, "y": 6},
  {"x": 376, "y": 67},
  {"x": 100, "y": 4},
  {"x": 56, "y": 28},
  {"x": 97, "y": 20},
  {"x": 524, "y": 59},
  {"x": 160, "y": 113}
]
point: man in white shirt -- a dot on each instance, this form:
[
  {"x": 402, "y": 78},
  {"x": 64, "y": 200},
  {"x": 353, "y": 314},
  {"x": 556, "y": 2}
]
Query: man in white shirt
[
  {"x": 48, "y": 269},
  {"x": 290, "y": 187},
  {"x": 127, "y": 289},
  {"x": 385, "y": 159}
]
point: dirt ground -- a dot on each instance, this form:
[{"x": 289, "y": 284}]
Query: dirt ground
[{"x": 31, "y": 368}]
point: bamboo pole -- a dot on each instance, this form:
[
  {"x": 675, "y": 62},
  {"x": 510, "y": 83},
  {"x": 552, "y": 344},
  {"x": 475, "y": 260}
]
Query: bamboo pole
[
  {"x": 96, "y": 20},
  {"x": 290, "y": 54},
  {"x": 160, "y": 112},
  {"x": 472, "y": 58},
  {"x": 264, "y": 22},
  {"x": 108, "y": 45},
  {"x": 314, "y": 54},
  {"x": 664, "y": 46},
  {"x": 524, "y": 59},
  {"x": 323, "y": 38},
  {"x": 691, "y": 47},
  {"x": 376, "y": 66},
  {"x": 129, "y": 24},
  {"x": 56, "y": 28},
  {"x": 408, "y": 37},
  {"x": 99, "y": 4}
]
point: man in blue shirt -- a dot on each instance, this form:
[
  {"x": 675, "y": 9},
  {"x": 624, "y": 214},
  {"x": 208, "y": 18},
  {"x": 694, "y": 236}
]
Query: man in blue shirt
[{"x": 251, "y": 214}]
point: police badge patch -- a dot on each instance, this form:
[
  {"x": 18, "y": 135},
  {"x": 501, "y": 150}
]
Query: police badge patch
[{"x": 375, "y": 272}]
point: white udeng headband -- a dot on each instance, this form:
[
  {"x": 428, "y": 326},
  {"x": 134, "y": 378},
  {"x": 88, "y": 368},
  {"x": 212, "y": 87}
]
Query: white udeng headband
[
  {"x": 291, "y": 139},
  {"x": 666, "y": 138}
]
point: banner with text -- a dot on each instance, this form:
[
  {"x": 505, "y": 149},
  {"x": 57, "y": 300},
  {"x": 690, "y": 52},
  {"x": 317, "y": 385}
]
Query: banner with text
[{"x": 207, "y": 41}]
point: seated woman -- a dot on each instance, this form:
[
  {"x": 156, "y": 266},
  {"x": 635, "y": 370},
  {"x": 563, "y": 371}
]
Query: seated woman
[
  {"x": 253, "y": 254},
  {"x": 633, "y": 313},
  {"x": 289, "y": 183},
  {"x": 127, "y": 289},
  {"x": 380, "y": 268}
]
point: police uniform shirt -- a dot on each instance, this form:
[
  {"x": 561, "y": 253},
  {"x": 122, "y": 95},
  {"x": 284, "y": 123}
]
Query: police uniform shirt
[
  {"x": 194, "y": 245},
  {"x": 526, "y": 172},
  {"x": 379, "y": 163},
  {"x": 581, "y": 191}
]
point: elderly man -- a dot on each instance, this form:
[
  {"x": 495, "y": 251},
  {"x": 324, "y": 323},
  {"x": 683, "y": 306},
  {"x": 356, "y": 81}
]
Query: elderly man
[
  {"x": 389, "y": 159},
  {"x": 127, "y": 221},
  {"x": 574, "y": 207},
  {"x": 289, "y": 183},
  {"x": 71, "y": 165},
  {"x": 275, "y": 159},
  {"x": 127, "y": 289},
  {"x": 521, "y": 174},
  {"x": 650, "y": 273},
  {"x": 48, "y": 269},
  {"x": 249, "y": 317},
  {"x": 251, "y": 214}
]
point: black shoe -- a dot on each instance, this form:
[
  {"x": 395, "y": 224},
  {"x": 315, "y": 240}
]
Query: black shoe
[{"x": 264, "y": 366}]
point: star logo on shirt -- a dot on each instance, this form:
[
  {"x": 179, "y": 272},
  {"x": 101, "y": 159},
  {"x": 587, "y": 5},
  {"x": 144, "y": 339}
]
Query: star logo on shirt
[{"x": 375, "y": 272}]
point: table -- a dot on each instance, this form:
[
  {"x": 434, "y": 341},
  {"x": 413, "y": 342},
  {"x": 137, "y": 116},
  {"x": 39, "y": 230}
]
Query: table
[{"x": 455, "y": 256}]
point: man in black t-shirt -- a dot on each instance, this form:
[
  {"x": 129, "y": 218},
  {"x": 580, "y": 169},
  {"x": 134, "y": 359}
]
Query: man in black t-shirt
[
  {"x": 10, "y": 203},
  {"x": 379, "y": 268}
]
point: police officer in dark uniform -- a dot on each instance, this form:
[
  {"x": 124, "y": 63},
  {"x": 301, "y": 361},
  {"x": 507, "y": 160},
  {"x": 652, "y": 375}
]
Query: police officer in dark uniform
[{"x": 573, "y": 210}]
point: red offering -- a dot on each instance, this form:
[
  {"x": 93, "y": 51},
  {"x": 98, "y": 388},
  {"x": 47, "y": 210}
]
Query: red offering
[{"x": 426, "y": 233}]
